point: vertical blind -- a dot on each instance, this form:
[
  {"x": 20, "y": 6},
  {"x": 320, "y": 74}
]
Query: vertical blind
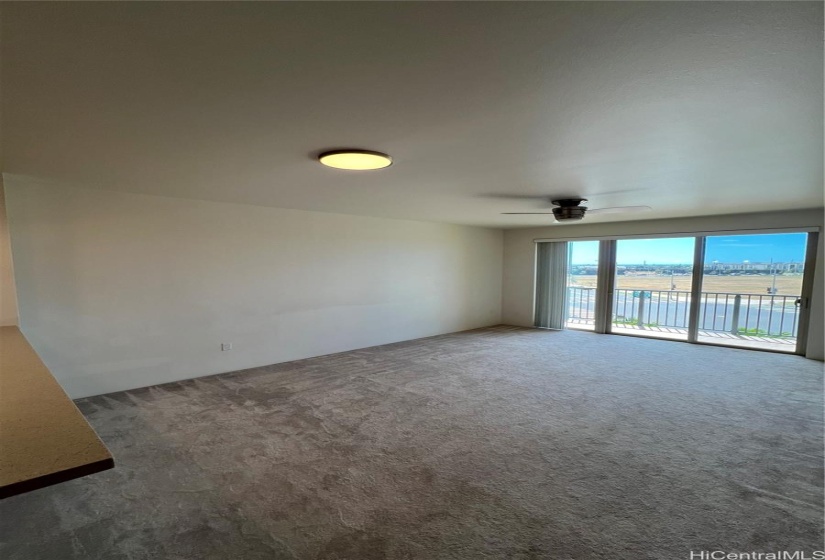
[{"x": 551, "y": 285}]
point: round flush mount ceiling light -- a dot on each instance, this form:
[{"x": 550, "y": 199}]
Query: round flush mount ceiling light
[{"x": 355, "y": 160}]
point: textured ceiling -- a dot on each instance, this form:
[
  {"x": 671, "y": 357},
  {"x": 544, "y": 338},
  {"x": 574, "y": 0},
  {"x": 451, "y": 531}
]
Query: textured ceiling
[{"x": 693, "y": 108}]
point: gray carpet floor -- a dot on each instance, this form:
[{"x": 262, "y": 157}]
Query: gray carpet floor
[{"x": 495, "y": 443}]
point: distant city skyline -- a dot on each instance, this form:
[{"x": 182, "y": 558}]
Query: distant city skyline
[{"x": 781, "y": 247}]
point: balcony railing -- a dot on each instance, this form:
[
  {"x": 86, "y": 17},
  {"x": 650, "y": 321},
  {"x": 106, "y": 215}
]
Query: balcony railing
[{"x": 735, "y": 314}]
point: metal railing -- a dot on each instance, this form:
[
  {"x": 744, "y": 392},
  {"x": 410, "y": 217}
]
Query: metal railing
[
  {"x": 737, "y": 314},
  {"x": 581, "y": 305},
  {"x": 750, "y": 314}
]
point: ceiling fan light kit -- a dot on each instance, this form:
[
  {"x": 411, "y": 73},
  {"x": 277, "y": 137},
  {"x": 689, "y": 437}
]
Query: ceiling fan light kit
[{"x": 568, "y": 209}]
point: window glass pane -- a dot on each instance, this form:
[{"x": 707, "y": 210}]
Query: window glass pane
[
  {"x": 750, "y": 290},
  {"x": 653, "y": 287},
  {"x": 583, "y": 269}
]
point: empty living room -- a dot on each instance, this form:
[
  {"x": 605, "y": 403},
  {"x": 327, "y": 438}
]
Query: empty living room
[{"x": 412, "y": 280}]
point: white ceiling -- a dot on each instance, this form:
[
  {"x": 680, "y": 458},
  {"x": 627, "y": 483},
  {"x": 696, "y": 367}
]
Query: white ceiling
[{"x": 693, "y": 108}]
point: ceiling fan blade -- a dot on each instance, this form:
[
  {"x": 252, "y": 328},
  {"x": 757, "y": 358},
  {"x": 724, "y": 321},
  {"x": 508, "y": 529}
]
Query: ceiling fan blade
[
  {"x": 507, "y": 196},
  {"x": 548, "y": 197},
  {"x": 618, "y": 209},
  {"x": 619, "y": 191},
  {"x": 531, "y": 213}
]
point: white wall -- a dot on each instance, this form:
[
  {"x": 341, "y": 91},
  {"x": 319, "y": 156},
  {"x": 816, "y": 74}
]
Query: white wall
[
  {"x": 8, "y": 294},
  {"x": 519, "y": 257},
  {"x": 118, "y": 291}
]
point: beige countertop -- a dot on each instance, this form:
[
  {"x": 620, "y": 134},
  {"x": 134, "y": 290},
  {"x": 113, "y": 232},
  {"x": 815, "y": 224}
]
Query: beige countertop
[{"x": 44, "y": 439}]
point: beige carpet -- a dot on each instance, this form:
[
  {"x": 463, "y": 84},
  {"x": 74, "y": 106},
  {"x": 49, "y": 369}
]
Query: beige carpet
[{"x": 496, "y": 443}]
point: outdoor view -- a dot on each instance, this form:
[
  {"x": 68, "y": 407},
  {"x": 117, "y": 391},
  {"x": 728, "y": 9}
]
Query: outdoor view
[{"x": 750, "y": 288}]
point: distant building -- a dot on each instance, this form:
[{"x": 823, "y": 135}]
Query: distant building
[
  {"x": 758, "y": 267},
  {"x": 718, "y": 268}
]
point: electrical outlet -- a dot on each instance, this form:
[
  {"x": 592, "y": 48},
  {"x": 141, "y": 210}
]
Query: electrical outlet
[{"x": 226, "y": 346}]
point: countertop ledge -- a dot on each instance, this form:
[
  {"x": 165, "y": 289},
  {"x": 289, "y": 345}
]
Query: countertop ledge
[{"x": 44, "y": 438}]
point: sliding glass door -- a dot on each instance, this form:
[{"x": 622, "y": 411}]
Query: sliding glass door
[
  {"x": 653, "y": 287},
  {"x": 752, "y": 290},
  {"x": 582, "y": 276},
  {"x": 749, "y": 291},
  {"x": 566, "y": 285}
]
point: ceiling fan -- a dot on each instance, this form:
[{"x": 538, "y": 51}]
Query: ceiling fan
[{"x": 571, "y": 209}]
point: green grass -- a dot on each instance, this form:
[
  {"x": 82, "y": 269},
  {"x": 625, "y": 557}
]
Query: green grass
[{"x": 763, "y": 332}]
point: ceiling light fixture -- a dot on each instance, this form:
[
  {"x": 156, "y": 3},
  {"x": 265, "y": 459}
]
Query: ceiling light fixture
[{"x": 356, "y": 160}]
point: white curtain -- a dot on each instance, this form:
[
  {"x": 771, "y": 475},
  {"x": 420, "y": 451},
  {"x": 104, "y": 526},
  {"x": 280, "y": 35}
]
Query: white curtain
[{"x": 551, "y": 285}]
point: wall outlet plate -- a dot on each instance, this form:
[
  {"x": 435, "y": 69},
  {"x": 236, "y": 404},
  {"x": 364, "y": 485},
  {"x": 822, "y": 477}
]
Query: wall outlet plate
[{"x": 226, "y": 346}]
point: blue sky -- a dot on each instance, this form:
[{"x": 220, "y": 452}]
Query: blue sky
[{"x": 781, "y": 247}]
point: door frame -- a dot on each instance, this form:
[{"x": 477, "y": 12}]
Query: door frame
[{"x": 807, "y": 293}]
